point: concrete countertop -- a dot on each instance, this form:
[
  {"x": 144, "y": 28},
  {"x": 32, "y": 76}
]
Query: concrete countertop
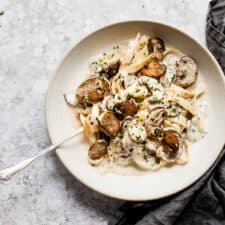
[{"x": 34, "y": 35}]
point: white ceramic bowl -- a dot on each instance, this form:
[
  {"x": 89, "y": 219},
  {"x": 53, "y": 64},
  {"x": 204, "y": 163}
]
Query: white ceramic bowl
[{"x": 61, "y": 119}]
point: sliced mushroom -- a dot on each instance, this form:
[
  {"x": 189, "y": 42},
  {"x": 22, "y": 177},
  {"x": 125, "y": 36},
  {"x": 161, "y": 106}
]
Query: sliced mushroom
[
  {"x": 157, "y": 115},
  {"x": 167, "y": 153},
  {"x": 111, "y": 70},
  {"x": 146, "y": 159},
  {"x": 157, "y": 46},
  {"x": 124, "y": 109},
  {"x": 109, "y": 124},
  {"x": 121, "y": 156},
  {"x": 171, "y": 139},
  {"x": 186, "y": 73},
  {"x": 127, "y": 142},
  {"x": 137, "y": 132},
  {"x": 92, "y": 91},
  {"x": 153, "y": 131},
  {"x": 97, "y": 151},
  {"x": 107, "y": 103},
  {"x": 137, "y": 91},
  {"x": 153, "y": 86},
  {"x": 155, "y": 70}
]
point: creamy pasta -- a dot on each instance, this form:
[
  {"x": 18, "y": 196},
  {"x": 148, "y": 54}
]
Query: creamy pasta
[{"x": 138, "y": 107}]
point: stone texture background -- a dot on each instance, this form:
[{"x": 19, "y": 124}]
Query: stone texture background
[{"x": 34, "y": 35}]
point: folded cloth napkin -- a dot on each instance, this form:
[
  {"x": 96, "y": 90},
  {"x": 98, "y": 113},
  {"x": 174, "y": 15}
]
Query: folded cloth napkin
[{"x": 204, "y": 201}]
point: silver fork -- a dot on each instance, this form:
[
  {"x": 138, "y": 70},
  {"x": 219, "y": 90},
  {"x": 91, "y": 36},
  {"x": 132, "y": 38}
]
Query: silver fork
[{"x": 7, "y": 173}]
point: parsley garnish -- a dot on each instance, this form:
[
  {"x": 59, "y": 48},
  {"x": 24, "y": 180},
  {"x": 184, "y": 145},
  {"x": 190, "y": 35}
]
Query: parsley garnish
[
  {"x": 138, "y": 89},
  {"x": 174, "y": 110},
  {"x": 2, "y": 13}
]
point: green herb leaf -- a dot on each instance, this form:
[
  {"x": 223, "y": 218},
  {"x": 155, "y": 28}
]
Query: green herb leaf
[{"x": 174, "y": 110}]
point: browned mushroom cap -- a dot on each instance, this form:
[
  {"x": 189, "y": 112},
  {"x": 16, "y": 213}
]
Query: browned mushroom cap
[
  {"x": 171, "y": 138},
  {"x": 98, "y": 150},
  {"x": 111, "y": 70},
  {"x": 124, "y": 109},
  {"x": 156, "y": 44},
  {"x": 92, "y": 91},
  {"x": 154, "y": 70},
  {"x": 109, "y": 124},
  {"x": 171, "y": 153},
  {"x": 186, "y": 72}
]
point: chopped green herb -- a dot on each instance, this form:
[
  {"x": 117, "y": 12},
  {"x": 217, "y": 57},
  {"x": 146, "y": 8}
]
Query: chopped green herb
[
  {"x": 2, "y": 13},
  {"x": 174, "y": 110},
  {"x": 138, "y": 90},
  {"x": 104, "y": 54},
  {"x": 129, "y": 96}
]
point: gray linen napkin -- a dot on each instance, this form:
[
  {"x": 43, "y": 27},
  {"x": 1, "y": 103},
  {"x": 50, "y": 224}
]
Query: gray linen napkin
[{"x": 203, "y": 202}]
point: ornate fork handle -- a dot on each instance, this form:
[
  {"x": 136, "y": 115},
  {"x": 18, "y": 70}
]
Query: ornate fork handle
[{"x": 7, "y": 173}]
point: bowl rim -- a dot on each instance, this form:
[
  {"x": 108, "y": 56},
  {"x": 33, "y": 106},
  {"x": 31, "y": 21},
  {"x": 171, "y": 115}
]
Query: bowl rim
[{"x": 52, "y": 78}]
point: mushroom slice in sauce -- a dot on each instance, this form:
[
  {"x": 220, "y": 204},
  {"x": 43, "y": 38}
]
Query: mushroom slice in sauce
[
  {"x": 153, "y": 131},
  {"x": 146, "y": 159},
  {"x": 119, "y": 154},
  {"x": 171, "y": 139},
  {"x": 186, "y": 74},
  {"x": 109, "y": 124},
  {"x": 97, "y": 152},
  {"x": 157, "y": 115},
  {"x": 137, "y": 132},
  {"x": 156, "y": 44},
  {"x": 171, "y": 146},
  {"x": 111, "y": 70},
  {"x": 92, "y": 90},
  {"x": 124, "y": 109},
  {"x": 155, "y": 70}
]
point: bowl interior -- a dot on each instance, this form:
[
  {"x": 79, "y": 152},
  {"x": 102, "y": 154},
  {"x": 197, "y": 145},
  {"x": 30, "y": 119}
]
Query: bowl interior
[{"x": 141, "y": 185}]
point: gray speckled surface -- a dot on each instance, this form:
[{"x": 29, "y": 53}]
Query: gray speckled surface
[{"x": 34, "y": 35}]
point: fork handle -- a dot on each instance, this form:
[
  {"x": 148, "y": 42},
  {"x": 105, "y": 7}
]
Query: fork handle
[{"x": 7, "y": 173}]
